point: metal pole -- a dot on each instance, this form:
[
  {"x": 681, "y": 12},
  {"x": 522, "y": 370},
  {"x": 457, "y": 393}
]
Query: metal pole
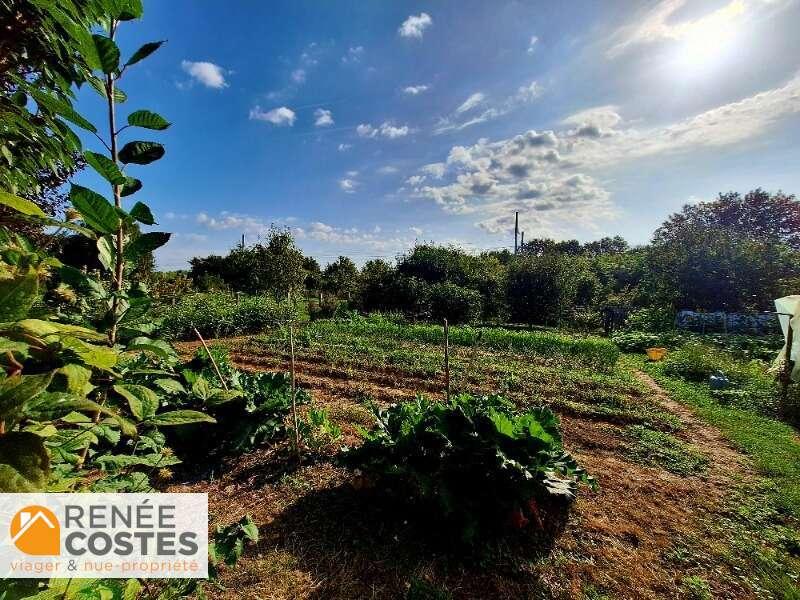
[
  {"x": 516, "y": 230},
  {"x": 447, "y": 360}
]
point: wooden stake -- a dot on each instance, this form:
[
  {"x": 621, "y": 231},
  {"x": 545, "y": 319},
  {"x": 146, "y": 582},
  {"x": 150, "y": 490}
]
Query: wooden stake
[
  {"x": 788, "y": 365},
  {"x": 294, "y": 392},
  {"x": 447, "y": 360},
  {"x": 213, "y": 362}
]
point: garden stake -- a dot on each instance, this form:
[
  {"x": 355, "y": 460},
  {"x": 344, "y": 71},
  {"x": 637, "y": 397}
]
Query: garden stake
[
  {"x": 213, "y": 362},
  {"x": 294, "y": 392},
  {"x": 447, "y": 359},
  {"x": 787, "y": 370}
]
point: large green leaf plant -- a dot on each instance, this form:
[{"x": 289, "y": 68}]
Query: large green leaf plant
[{"x": 76, "y": 409}]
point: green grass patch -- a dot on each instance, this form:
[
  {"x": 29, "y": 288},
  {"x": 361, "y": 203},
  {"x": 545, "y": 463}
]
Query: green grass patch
[
  {"x": 656, "y": 448},
  {"x": 774, "y": 446}
]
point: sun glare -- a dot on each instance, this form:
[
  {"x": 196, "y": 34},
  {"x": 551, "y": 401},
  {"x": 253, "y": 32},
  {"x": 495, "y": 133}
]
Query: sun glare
[{"x": 705, "y": 43}]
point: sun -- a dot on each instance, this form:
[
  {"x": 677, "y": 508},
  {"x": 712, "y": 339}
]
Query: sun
[{"x": 706, "y": 42}]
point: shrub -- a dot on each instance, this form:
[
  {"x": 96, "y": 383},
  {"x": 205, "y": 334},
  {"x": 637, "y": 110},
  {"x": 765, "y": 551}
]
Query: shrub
[
  {"x": 653, "y": 320},
  {"x": 454, "y": 303},
  {"x": 480, "y": 464},
  {"x": 219, "y": 314}
]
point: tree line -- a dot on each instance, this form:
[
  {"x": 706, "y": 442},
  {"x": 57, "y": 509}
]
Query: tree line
[{"x": 736, "y": 253}]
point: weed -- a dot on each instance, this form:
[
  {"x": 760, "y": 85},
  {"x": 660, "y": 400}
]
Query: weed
[{"x": 656, "y": 448}]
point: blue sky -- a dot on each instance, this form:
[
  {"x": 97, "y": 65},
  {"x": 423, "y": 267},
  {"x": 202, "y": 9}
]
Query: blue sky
[{"x": 368, "y": 126}]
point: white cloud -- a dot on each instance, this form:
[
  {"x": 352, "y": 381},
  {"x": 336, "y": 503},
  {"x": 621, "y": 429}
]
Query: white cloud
[
  {"x": 226, "y": 220},
  {"x": 415, "y": 90},
  {"x": 348, "y": 186},
  {"x": 532, "y": 44},
  {"x": 385, "y": 130},
  {"x": 387, "y": 170},
  {"x": 207, "y": 73},
  {"x": 277, "y": 116},
  {"x": 435, "y": 170},
  {"x": 323, "y": 118},
  {"x": 354, "y": 54},
  {"x": 344, "y": 147},
  {"x": 414, "y": 25},
  {"x": 299, "y": 76},
  {"x": 342, "y": 237},
  {"x": 555, "y": 178},
  {"x": 470, "y": 103},
  {"x": 415, "y": 230},
  {"x": 465, "y": 116}
]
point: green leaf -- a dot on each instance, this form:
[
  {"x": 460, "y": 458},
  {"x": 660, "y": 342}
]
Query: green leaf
[
  {"x": 181, "y": 417},
  {"x": 171, "y": 386},
  {"x": 97, "y": 212},
  {"x": 44, "y": 329},
  {"x": 15, "y": 391},
  {"x": 131, "y": 186},
  {"x": 143, "y": 52},
  {"x": 24, "y": 462},
  {"x": 18, "y": 294},
  {"x": 18, "y": 348},
  {"x": 160, "y": 348},
  {"x": 106, "y": 167},
  {"x": 141, "y": 153},
  {"x": 100, "y": 87},
  {"x": 106, "y": 252},
  {"x": 62, "y": 109},
  {"x": 78, "y": 378},
  {"x": 146, "y": 242},
  {"x": 142, "y": 401},
  {"x": 26, "y": 207},
  {"x": 148, "y": 120},
  {"x": 107, "y": 52},
  {"x": 127, "y": 10},
  {"x": 101, "y": 357},
  {"x": 141, "y": 212}
]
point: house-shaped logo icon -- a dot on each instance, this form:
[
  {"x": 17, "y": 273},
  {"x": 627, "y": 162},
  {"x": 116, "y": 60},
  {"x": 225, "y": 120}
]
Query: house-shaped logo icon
[{"x": 35, "y": 530}]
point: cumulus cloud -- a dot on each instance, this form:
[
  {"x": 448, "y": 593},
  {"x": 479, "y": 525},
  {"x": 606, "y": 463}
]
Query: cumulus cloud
[
  {"x": 532, "y": 44},
  {"x": 385, "y": 130},
  {"x": 239, "y": 222},
  {"x": 281, "y": 116},
  {"x": 344, "y": 147},
  {"x": 206, "y": 73},
  {"x": 555, "y": 178},
  {"x": 323, "y": 118},
  {"x": 435, "y": 170},
  {"x": 343, "y": 237},
  {"x": 415, "y": 25},
  {"x": 415, "y": 90}
]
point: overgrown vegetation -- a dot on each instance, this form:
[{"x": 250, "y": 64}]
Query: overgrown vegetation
[{"x": 481, "y": 464}]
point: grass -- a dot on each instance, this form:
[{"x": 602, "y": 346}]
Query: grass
[
  {"x": 774, "y": 446},
  {"x": 656, "y": 448},
  {"x": 595, "y": 351}
]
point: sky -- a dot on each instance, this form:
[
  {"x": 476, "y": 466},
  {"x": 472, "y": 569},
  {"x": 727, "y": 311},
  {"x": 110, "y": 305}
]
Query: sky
[{"x": 367, "y": 127}]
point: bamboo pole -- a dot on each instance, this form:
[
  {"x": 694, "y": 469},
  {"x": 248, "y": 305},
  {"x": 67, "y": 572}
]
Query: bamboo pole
[
  {"x": 213, "y": 362},
  {"x": 787, "y": 370}
]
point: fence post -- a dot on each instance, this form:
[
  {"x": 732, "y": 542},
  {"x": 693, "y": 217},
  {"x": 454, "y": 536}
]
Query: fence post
[
  {"x": 294, "y": 391},
  {"x": 447, "y": 360}
]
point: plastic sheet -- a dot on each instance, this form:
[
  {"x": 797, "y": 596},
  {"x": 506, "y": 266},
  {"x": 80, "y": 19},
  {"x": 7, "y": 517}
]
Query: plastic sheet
[{"x": 789, "y": 305}]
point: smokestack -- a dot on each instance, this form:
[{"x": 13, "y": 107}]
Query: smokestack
[
  {"x": 522, "y": 241},
  {"x": 516, "y": 230}
]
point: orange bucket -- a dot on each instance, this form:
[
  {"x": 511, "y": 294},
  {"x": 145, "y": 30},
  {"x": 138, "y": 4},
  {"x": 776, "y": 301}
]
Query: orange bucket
[{"x": 656, "y": 354}]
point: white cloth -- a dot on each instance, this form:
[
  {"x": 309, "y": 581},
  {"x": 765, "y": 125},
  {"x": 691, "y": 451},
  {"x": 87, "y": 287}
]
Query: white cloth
[{"x": 789, "y": 305}]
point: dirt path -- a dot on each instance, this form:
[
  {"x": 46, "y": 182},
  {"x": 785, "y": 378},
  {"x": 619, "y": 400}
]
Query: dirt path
[{"x": 725, "y": 459}]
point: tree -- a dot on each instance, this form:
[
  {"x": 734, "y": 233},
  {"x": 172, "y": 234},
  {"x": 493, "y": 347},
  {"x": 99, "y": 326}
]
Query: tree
[
  {"x": 375, "y": 289},
  {"x": 736, "y": 253},
  {"x": 340, "y": 278},
  {"x": 758, "y": 216},
  {"x": 541, "y": 288},
  {"x": 313, "y": 280}
]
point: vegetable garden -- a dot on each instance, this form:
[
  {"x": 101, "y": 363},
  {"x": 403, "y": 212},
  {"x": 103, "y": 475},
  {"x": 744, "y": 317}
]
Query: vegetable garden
[{"x": 366, "y": 454}]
